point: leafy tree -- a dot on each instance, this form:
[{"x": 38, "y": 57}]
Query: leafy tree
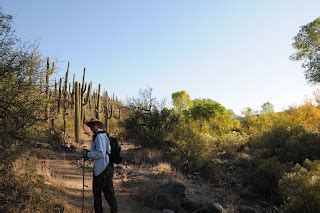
[
  {"x": 22, "y": 100},
  {"x": 247, "y": 111},
  {"x": 147, "y": 124},
  {"x": 204, "y": 109},
  {"x": 22, "y": 112},
  {"x": 307, "y": 44},
  {"x": 145, "y": 101},
  {"x": 267, "y": 108},
  {"x": 316, "y": 94},
  {"x": 181, "y": 100}
]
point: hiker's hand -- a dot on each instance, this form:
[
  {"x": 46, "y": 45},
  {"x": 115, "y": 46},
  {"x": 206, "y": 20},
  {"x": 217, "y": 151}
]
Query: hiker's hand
[{"x": 84, "y": 153}]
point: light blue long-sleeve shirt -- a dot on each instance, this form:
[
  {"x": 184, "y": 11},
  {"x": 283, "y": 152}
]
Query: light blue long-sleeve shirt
[{"x": 98, "y": 153}]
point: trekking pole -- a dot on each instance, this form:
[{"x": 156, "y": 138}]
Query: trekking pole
[{"x": 83, "y": 171}]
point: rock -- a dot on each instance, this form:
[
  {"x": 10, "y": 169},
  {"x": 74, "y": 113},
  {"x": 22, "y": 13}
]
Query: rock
[
  {"x": 248, "y": 195},
  {"x": 244, "y": 156},
  {"x": 163, "y": 201},
  {"x": 175, "y": 189},
  {"x": 211, "y": 208},
  {"x": 43, "y": 145},
  {"x": 216, "y": 207},
  {"x": 246, "y": 209},
  {"x": 167, "y": 211},
  {"x": 190, "y": 205},
  {"x": 191, "y": 177},
  {"x": 132, "y": 174},
  {"x": 166, "y": 196},
  {"x": 72, "y": 147}
]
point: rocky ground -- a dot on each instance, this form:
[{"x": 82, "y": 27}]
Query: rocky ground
[{"x": 144, "y": 183}]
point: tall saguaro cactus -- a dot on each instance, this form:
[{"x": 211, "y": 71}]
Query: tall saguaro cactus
[
  {"x": 108, "y": 110},
  {"x": 97, "y": 106},
  {"x": 65, "y": 100},
  {"x": 84, "y": 99},
  {"x": 79, "y": 106},
  {"x": 59, "y": 95},
  {"x": 85, "y": 102},
  {"x": 77, "y": 110},
  {"x": 73, "y": 92},
  {"x": 49, "y": 72}
]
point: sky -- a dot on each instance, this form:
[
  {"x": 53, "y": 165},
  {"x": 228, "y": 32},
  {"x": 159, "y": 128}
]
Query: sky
[{"x": 234, "y": 52}]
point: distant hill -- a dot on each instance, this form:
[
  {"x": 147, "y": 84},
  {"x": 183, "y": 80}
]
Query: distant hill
[{"x": 238, "y": 117}]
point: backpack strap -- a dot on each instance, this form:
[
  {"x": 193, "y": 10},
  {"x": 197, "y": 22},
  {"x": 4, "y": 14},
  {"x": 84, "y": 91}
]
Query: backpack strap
[{"x": 99, "y": 132}]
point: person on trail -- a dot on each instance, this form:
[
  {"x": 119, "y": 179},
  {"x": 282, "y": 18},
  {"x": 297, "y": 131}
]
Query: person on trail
[{"x": 103, "y": 168}]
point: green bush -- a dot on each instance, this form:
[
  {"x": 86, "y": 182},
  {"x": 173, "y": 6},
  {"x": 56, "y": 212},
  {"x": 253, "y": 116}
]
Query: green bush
[
  {"x": 265, "y": 178},
  {"x": 289, "y": 144},
  {"x": 193, "y": 146},
  {"x": 301, "y": 188},
  {"x": 232, "y": 141},
  {"x": 256, "y": 124},
  {"x": 149, "y": 128}
]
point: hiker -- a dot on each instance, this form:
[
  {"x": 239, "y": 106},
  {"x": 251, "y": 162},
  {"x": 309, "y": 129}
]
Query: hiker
[{"x": 103, "y": 168}]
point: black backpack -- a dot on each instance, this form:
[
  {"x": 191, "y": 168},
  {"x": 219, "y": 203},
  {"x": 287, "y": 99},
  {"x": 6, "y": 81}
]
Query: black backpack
[{"x": 115, "y": 155}]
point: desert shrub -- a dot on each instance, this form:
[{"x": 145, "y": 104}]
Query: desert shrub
[
  {"x": 55, "y": 139},
  {"x": 190, "y": 145},
  {"x": 289, "y": 144},
  {"x": 306, "y": 145},
  {"x": 266, "y": 176},
  {"x": 23, "y": 188},
  {"x": 232, "y": 141},
  {"x": 23, "y": 112},
  {"x": 149, "y": 128},
  {"x": 253, "y": 124},
  {"x": 301, "y": 188},
  {"x": 211, "y": 117},
  {"x": 22, "y": 97},
  {"x": 306, "y": 115},
  {"x": 148, "y": 155}
]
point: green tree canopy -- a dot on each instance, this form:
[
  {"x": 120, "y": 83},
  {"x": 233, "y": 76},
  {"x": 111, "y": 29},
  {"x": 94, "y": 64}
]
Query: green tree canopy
[
  {"x": 181, "y": 100},
  {"x": 22, "y": 96},
  {"x": 267, "y": 108},
  {"x": 247, "y": 112},
  {"x": 206, "y": 109},
  {"x": 307, "y": 44}
]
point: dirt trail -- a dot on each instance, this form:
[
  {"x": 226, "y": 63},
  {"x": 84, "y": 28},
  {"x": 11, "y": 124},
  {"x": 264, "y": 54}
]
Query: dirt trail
[
  {"x": 140, "y": 170},
  {"x": 66, "y": 172}
]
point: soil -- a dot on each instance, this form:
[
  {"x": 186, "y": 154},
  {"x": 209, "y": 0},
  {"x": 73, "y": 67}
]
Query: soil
[
  {"x": 132, "y": 177},
  {"x": 66, "y": 171}
]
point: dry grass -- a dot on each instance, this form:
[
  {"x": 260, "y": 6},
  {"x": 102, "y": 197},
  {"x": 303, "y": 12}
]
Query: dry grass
[
  {"x": 148, "y": 156},
  {"x": 163, "y": 168},
  {"x": 29, "y": 179},
  {"x": 51, "y": 178}
]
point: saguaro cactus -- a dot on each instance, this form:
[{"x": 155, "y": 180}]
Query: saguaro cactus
[
  {"x": 54, "y": 97},
  {"x": 65, "y": 100},
  {"x": 108, "y": 110},
  {"x": 84, "y": 98},
  {"x": 77, "y": 111},
  {"x": 55, "y": 88},
  {"x": 85, "y": 102},
  {"x": 73, "y": 92},
  {"x": 97, "y": 106},
  {"x": 48, "y": 74},
  {"x": 59, "y": 95},
  {"x": 78, "y": 105}
]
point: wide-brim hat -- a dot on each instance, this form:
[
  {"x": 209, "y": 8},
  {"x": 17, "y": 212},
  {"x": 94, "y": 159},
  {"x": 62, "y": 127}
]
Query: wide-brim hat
[{"x": 94, "y": 121}]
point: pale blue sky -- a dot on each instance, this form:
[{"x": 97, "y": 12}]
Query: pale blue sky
[{"x": 235, "y": 52}]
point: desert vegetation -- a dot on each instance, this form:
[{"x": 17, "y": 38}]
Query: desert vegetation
[{"x": 270, "y": 160}]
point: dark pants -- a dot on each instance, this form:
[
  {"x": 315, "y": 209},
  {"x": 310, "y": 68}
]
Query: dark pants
[{"x": 103, "y": 183}]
